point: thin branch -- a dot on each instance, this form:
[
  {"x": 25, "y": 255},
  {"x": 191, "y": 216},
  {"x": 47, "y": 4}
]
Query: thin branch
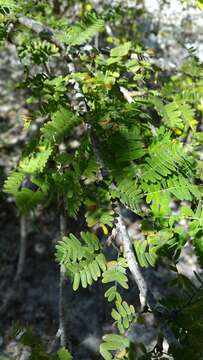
[
  {"x": 20, "y": 266},
  {"x": 61, "y": 335},
  {"x": 62, "y": 319},
  {"x": 56, "y": 7},
  {"x": 158, "y": 348},
  {"x": 48, "y": 34},
  {"x": 129, "y": 254},
  {"x": 146, "y": 296},
  {"x": 22, "y": 252},
  {"x": 43, "y": 31},
  {"x": 132, "y": 261}
]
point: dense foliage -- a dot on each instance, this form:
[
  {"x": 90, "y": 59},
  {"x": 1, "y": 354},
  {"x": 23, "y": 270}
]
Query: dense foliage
[{"x": 113, "y": 133}]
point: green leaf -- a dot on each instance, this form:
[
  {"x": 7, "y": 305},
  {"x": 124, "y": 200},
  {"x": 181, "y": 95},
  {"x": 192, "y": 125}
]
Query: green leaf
[
  {"x": 92, "y": 271},
  {"x": 13, "y": 182},
  {"x": 81, "y": 258},
  {"x": 35, "y": 163},
  {"x": 83, "y": 278},
  {"x": 115, "y": 275},
  {"x": 10, "y": 4},
  {"x": 200, "y": 4},
  {"x": 115, "y": 315},
  {"x": 118, "y": 340},
  {"x": 88, "y": 275},
  {"x": 127, "y": 308},
  {"x": 101, "y": 261},
  {"x": 27, "y": 199},
  {"x": 110, "y": 293},
  {"x": 83, "y": 31},
  {"x": 104, "y": 352},
  {"x": 61, "y": 124},
  {"x": 121, "y": 50},
  {"x": 121, "y": 309},
  {"x": 76, "y": 281},
  {"x": 64, "y": 354}
]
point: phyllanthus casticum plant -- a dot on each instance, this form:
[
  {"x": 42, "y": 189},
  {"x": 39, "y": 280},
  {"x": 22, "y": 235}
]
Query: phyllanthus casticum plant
[{"x": 138, "y": 151}]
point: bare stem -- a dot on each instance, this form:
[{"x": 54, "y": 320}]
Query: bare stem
[
  {"x": 146, "y": 296},
  {"x": 62, "y": 320},
  {"x": 56, "y": 7},
  {"x": 41, "y": 30},
  {"x": 22, "y": 252},
  {"x": 20, "y": 266},
  {"x": 132, "y": 261}
]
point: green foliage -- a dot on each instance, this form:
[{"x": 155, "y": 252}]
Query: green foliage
[
  {"x": 113, "y": 342},
  {"x": 147, "y": 250},
  {"x": 185, "y": 308},
  {"x": 64, "y": 354},
  {"x": 83, "y": 260},
  {"x": 176, "y": 114},
  {"x": 7, "y": 4},
  {"x": 27, "y": 199},
  {"x": 116, "y": 272},
  {"x": 13, "y": 182},
  {"x": 61, "y": 124},
  {"x": 165, "y": 157},
  {"x": 127, "y": 143},
  {"x": 118, "y": 52},
  {"x": 158, "y": 197},
  {"x": 200, "y": 3},
  {"x": 27, "y": 338},
  {"x": 83, "y": 31},
  {"x": 102, "y": 217},
  {"x": 69, "y": 188},
  {"x": 138, "y": 144},
  {"x": 39, "y": 51},
  {"x": 129, "y": 193},
  {"x": 124, "y": 315},
  {"x": 36, "y": 162}
]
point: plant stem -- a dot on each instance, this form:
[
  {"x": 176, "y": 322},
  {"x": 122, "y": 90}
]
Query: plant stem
[
  {"x": 62, "y": 320},
  {"x": 132, "y": 261},
  {"x": 41, "y": 30},
  {"x": 20, "y": 266},
  {"x": 145, "y": 294},
  {"x": 22, "y": 251},
  {"x": 56, "y": 7}
]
